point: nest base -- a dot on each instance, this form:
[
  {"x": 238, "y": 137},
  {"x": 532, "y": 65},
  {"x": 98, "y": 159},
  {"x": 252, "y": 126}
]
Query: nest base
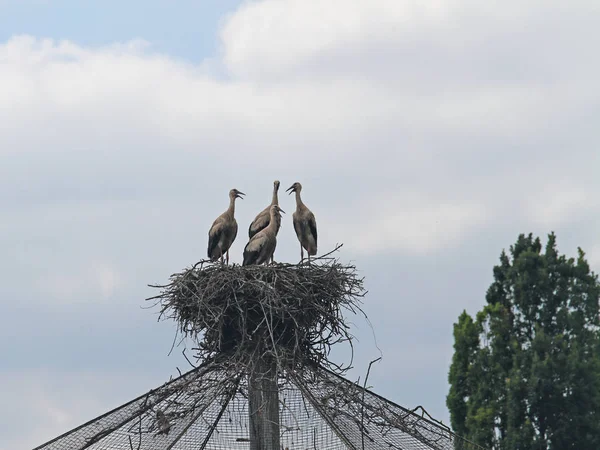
[{"x": 240, "y": 314}]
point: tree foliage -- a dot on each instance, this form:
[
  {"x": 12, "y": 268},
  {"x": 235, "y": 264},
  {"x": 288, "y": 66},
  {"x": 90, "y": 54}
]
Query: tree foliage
[{"x": 525, "y": 374}]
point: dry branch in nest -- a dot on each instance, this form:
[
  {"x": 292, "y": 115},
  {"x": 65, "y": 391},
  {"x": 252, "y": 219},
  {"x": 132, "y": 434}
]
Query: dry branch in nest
[{"x": 292, "y": 312}]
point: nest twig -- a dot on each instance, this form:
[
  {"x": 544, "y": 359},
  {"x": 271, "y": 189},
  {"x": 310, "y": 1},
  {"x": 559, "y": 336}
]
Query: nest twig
[{"x": 291, "y": 312}]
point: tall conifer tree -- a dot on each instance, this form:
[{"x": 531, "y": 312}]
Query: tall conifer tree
[{"x": 525, "y": 374}]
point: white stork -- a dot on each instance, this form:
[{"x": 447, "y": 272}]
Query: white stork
[
  {"x": 262, "y": 245},
  {"x": 263, "y": 218},
  {"x": 305, "y": 224},
  {"x": 224, "y": 229}
]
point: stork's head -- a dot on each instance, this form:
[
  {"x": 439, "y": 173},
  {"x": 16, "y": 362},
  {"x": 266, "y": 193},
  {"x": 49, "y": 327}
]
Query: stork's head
[
  {"x": 234, "y": 193},
  {"x": 276, "y": 184},
  {"x": 296, "y": 187}
]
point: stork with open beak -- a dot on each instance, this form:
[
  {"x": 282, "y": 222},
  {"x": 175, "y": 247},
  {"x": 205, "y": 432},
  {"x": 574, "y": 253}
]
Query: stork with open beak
[
  {"x": 305, "y": 224},
  {"x": 262, "y": 220},
  {"x": 224, "y": 229},
  {"x": 260, "y": 248}
]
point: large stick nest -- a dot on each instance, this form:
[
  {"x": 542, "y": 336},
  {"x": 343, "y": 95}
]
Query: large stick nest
[{"x": 239, "y": 314}]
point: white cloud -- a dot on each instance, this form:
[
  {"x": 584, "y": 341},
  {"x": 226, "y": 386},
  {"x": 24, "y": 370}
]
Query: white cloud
[
  {"x": 561, "y": 202},
  {"x": 413, "y": 224},
  {"x": 274, "y": 37},
  {"x": 270, "y": 39},
  {"x": 96, "y": 280},
  {"x": 123, "y": 119},
  {"x": 441, "y": 112}
]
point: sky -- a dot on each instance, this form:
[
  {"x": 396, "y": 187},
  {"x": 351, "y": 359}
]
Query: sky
[{"x": 427, "y": 136}]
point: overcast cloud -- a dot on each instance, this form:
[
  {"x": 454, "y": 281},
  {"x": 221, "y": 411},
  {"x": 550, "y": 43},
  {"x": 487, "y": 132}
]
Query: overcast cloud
[{"x": 427, "y": 136}]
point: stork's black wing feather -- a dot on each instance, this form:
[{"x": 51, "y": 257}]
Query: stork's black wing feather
[
  {"x": 249, "y": 256},
  {"x": 235, "y": 230},
  {"x": 214, "y": 236},
  {"x": 213, "y": 241},
  {"x": 297, "y": 228},
  {"x": 312, "y": 224},
  {"x": 260, "y": 222},
  {"x": 251, "y": 232}
]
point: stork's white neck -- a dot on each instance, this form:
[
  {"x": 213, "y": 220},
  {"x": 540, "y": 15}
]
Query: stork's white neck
[
  {"x": 298, "y": 199},
  {"x": 275, "y": 200},
  {"x": 272, "y": 227},
  {"x": 231, "y": 209}
]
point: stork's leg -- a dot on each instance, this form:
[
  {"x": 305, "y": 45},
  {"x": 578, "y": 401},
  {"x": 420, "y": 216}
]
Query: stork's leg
[
  {"x": 227, "y": 256},
  {"x": 301, "y": 253}
]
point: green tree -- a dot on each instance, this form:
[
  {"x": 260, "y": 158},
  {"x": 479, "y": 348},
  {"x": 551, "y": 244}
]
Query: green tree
[{"x": 525, "y": 374}]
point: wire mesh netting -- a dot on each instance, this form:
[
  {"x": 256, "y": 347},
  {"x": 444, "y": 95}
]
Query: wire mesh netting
[
  {"x": 301, "y": 426},
  {"x": 369, "y": 421},
  {"x": 207, "y": 408}
]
